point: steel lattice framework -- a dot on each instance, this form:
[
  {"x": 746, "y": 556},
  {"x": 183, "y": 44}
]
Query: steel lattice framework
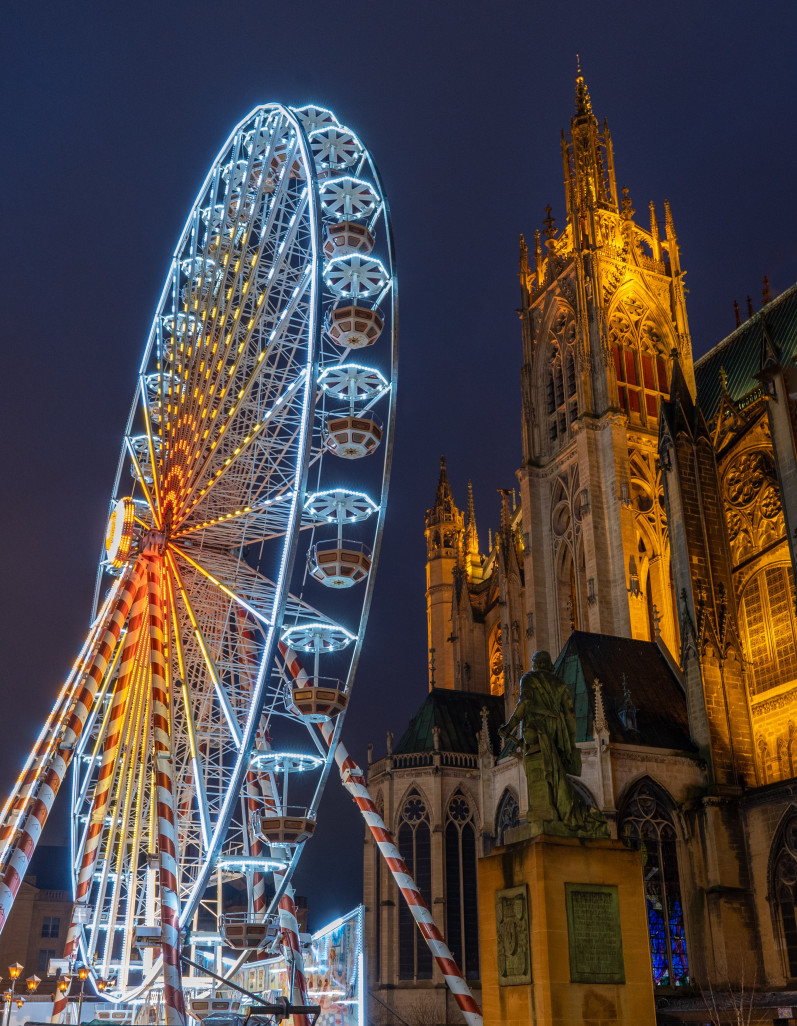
[{"x": 245, "y": 524}]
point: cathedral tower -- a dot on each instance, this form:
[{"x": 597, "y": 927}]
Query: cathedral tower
[
  {"x": 602, "y": 315},
  {"x": 444, "y": 538}
]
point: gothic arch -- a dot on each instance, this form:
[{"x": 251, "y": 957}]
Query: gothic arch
[
  {"x": 415, "y": 788},
  {"x": 461, "y": 880},
  {"x": 507, "y": 813},
  {"x": 583, "y": 792},
  {"x": 647, "y": 821},
  {"x": 782, "y": 888},
  {"x": 470, "y": 798},
  {"x": 768, "y": 627},
  {"x": 567, "y": 601},
  {"x": 556, "y": 374},
  {"x": 640, "y": 340},
  {"x": 414, "y": 839}
]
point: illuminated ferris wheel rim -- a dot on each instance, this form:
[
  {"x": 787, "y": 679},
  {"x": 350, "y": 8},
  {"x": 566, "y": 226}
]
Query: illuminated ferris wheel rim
[{"x": 311, "y": 376}]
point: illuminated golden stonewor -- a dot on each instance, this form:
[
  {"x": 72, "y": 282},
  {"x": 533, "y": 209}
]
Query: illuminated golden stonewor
[
  {"x": 602, "y": 314},
  {"x": 653, "y": 547}
]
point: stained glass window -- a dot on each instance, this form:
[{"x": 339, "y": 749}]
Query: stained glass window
[
  {"x": 415, "y": 846},
  {"x": 462, "y": 907},
  {"x": 646, "y": 825}
]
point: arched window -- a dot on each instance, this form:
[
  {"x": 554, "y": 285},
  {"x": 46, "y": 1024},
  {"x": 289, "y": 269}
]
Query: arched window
[
  {"x": 415, "y": 846},
  {"x": 380, "y": 807},
  {"x": 640, "y": 361},
  {"x": 767, "y": 612},
  {"x": 561, "y": 390},
  {"x": 496, "y": 656},
  {"x": 783, "y": 887},
  {"x": 646, "y": 824},
  {"x": 462, "y": 906},
  {"x": 507, "y": 816}
]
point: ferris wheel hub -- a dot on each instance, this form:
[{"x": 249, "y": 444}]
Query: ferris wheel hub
[{"x": 119, "y": 534}]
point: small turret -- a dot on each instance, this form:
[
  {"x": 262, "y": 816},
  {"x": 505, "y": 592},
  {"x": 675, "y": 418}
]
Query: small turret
[{"x": 445, "y": 530}]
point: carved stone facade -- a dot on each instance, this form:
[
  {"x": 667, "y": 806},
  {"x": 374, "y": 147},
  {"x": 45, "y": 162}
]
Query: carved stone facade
[{"x": 652, "y": 546}]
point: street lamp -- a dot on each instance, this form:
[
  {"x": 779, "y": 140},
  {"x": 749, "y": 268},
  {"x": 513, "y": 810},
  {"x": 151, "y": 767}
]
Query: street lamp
[
  {"x": 83, "y": 975},
  {"x": 9, "y": 996}
]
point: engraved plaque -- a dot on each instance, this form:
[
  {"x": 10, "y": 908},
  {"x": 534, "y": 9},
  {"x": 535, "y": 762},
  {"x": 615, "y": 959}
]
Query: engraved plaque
[
  {"x": 594, "y": 934},
  {"x": 512, "y": 927}
]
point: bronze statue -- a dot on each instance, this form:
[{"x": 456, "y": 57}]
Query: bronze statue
[{"x": 548, "y": 719}]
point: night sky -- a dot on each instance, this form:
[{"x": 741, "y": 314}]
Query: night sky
[{"x": 111, "y": 116}]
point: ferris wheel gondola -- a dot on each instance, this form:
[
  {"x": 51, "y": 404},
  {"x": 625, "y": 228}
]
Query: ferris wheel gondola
[{"x": 186, "y": 748}]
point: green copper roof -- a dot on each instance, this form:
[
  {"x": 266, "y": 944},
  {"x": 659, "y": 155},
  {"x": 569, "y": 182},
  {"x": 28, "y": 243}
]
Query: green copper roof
[
  {"x": 628, "y": 670},
  {"x": 458, "y": 715},
  {"x": 739, "y": 355}
]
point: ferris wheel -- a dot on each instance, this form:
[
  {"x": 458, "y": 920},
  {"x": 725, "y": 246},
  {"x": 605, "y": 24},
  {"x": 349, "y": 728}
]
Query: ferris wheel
[{"x": 201, "y": 717}]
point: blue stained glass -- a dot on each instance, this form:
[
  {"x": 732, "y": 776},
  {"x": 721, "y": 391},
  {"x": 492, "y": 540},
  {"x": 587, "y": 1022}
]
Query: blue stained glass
[{"x": 648, "y": 827}]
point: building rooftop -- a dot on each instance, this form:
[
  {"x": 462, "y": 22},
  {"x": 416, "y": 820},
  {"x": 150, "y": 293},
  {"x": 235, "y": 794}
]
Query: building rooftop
[
  {"x": 459, "y": 718},
  {"x": 739, "y": 355},
  {"x": 634, "y": 674}
]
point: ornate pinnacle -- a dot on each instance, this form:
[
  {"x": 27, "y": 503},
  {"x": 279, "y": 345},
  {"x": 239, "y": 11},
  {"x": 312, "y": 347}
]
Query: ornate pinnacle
[
  {"x": 654, "y": 224},
  {"x": 600, "y": 712},
  {"x": 550, "y": 223},
  {"x": 628, "y": 211},
  {"x": 583, "y": 102},
  {"x": 765, "y": 296}
]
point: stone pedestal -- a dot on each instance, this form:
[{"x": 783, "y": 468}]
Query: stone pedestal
[{"x": 564, "y": 935}]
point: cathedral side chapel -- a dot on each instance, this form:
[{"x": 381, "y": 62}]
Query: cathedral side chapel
[{"x": 651, "y": 550}]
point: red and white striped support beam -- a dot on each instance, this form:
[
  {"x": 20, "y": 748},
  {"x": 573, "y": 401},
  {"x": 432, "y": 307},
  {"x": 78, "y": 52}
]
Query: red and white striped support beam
[
  {"x": 292, "y": 951},
  {"x": 354, "y": 781},
  {"x": 53, "y": 769},
  {"x": 102, "y": 791},
  {"x": 173, "y": 1000},
  {"x": 300, "y": 678},
  {"x": 15, "y": 803}
]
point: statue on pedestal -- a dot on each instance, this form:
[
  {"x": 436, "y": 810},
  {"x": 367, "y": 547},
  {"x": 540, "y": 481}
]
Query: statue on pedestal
[{"x": 545, "y": 711}]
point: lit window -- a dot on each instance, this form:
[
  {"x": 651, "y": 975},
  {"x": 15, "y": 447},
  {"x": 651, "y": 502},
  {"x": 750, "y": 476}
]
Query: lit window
[
  {"x": 646, "y": 825},
  {"x": 640, "y": 365}
]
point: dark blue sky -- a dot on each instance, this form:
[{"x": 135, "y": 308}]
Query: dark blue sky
[{"x": 111, "y": 115}]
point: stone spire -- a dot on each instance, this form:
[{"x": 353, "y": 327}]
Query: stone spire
[
  {"x": 471, "y": 546},
  {"x": 443, "y": 508},
  {"x": 583, "y": 101},
  {"x": 588, "y": 165}
]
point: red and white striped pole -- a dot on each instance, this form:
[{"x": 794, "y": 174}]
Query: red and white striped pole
[
  {"x": 353, "y": 780},
  {"x": 102, "y": 791},
  {"x": 53, "y": 770},
  {"x": 16, "y": 801},
  {"x": 292, "y": 950},
  {"x": 173, "y": 1000}
]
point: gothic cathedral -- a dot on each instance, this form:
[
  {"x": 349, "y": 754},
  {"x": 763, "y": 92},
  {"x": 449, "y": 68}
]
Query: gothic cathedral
[{"x": 652, "y": 553}]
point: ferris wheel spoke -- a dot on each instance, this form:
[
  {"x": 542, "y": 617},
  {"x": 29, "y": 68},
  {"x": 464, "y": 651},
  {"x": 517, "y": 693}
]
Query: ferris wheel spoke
[
  {"x": 243, "y": 603},
  {"x": 142, "y": 482},
  {"x": 278, "y": 413},
  {"x": 194, "y": 755},
  {"x": 221, "y": 692},
  {"x": 202, "y": 398}
]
